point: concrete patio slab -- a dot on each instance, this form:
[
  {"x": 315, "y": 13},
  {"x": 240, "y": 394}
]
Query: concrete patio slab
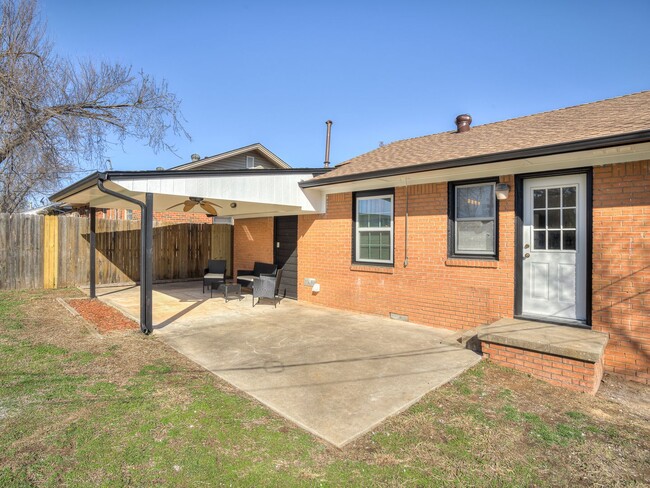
[{"x": 336, "y": 374}]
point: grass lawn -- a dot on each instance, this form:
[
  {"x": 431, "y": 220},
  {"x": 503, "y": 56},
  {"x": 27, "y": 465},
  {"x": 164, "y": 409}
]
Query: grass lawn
[{"x": 124, "y": 409}]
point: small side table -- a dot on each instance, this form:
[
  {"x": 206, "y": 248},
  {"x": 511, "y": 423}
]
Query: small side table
[{"x": 229, "y": 290}]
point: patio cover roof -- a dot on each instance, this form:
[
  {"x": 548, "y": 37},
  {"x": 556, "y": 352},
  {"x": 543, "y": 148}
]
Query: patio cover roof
[{"x": 258, "y": 193}]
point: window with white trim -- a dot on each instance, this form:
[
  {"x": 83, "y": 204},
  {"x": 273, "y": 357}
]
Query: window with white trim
[
  {"x": 473, "y": 216},
  {"x": 250, "y": 162},
  {"x": 373, "y": 227}
]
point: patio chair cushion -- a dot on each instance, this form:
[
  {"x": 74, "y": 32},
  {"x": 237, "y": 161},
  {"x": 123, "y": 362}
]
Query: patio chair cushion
[
  {"x": 247, "y": 278},
  {"x": 214, "y": 276}
]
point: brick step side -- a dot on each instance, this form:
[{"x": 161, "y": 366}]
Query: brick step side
[{"x": 574, "y": 374}]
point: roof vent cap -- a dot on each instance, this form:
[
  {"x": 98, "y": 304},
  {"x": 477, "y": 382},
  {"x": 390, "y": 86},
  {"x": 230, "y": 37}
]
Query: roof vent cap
[
  {"x": 462, "y": 122},
  {"x": 195, "y": 157}
]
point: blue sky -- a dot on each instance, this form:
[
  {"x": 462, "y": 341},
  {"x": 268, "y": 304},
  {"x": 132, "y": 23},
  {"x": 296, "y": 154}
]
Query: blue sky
[{"x": 274, "y": 72}]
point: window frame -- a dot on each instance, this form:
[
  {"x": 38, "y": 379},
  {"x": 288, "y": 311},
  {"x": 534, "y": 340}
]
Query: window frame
[
  {"x": 251, "y": 160},
  {"x": 367, "y": 195},
  {"x": 452, "y": 220}
]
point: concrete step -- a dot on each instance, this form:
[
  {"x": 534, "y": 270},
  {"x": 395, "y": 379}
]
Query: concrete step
[{"x": 566, "y": 356}]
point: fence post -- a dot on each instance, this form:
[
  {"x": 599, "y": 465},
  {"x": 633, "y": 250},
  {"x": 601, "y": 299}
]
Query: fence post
[{"x": 51, "y": 252}]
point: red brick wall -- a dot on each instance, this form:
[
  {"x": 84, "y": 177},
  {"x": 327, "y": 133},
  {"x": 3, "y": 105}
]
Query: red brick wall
[
  {"x": 568, "y": 373},
  {"x": 253, "y": 241},
  {"x": 621, "y": 266},
  {"x": 432, "y": 289},
  {"x": 161, "y": 218},
  {"x": 176, "y": 217}
]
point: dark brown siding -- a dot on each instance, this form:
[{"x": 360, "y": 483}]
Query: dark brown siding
[
  {"x": 239, "y": 162},
  {"x": 285, "y": 254}
]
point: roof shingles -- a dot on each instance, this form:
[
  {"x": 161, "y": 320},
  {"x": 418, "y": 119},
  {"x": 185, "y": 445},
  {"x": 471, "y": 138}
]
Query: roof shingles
[{"x": 622, "y": 115}]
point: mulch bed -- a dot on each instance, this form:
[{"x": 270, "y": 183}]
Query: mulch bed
[{"x": 102, "y": 316}]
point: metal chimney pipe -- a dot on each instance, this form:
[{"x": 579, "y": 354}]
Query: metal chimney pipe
[{"x": 327, "y": 144}]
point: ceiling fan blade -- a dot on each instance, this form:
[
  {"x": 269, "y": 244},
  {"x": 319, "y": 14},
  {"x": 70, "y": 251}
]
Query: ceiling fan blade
[
  {"x": 177, "y": 205},
  {"x": 208, "y": 208},
  {"x": 212, "y": 203},
  {"x": 189, "y": 205}
]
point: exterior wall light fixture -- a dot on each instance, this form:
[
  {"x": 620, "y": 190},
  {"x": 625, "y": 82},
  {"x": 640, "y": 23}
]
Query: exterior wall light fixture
[{"x": 502, "y": 190}]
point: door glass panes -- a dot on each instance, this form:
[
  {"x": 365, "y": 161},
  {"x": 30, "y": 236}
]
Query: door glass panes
[
  {"x": 569, "y": 239},
  {"x": 553, "y": 198},
  {"x": 554, "y": 239},
  {"x": 569, "y": 218},
  {"x": 554, "y": 218},
  {"x": 569, "y": 196}
]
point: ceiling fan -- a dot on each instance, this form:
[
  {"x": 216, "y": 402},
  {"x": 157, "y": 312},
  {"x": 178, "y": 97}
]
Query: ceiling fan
[{"x": 191, "y": 202}]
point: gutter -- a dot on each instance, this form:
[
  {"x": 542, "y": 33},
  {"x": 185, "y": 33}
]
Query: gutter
[{"x": 548, "y": 150}]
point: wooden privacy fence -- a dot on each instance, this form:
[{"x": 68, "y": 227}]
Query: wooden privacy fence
[{"x": 54, "y": 252}]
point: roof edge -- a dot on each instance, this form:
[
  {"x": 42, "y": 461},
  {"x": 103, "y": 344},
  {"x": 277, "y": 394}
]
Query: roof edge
[
  {"x": 91, "y": 180},
  {"x": 548, "y": 150},
  {"x": 77, "y": 186}
]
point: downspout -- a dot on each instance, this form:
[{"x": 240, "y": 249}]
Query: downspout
[
  {"x": 406, "y": 224},
  {"x": 93, "y": 247},
  {"x": 145, "y": 304}
]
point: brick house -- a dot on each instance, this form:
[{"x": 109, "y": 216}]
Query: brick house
[
  {"x": 544, "y": 218},
  {"x": 532, "y": 232}
]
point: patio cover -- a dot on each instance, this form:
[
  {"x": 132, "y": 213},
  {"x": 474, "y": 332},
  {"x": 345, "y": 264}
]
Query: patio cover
[
  {"x": 238, "y": 194},
  {"x": 255, "y": 193}
]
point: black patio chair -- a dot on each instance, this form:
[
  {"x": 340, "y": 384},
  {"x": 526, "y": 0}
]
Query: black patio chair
[
  {"x": 245, "y": 277},
  {"x": 266, "y": 286},
  {"x": 214, "y": 273}
]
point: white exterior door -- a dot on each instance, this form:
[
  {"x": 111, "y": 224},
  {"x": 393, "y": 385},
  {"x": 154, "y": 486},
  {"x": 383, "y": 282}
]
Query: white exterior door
[{"x": 555, "y": 248}]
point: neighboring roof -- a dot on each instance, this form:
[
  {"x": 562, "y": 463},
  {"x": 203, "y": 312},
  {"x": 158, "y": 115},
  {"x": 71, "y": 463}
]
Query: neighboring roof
[
  {"x": 51, "y": 209},
  {"x": 235, "y": 152},
  {"x": 605, "y": 123}
]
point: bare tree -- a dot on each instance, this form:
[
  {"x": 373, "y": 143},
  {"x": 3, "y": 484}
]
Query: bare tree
[{"x": 57, "y": 116}]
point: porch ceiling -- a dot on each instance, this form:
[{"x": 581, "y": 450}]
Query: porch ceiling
[{"x": 264, "y": 193}]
